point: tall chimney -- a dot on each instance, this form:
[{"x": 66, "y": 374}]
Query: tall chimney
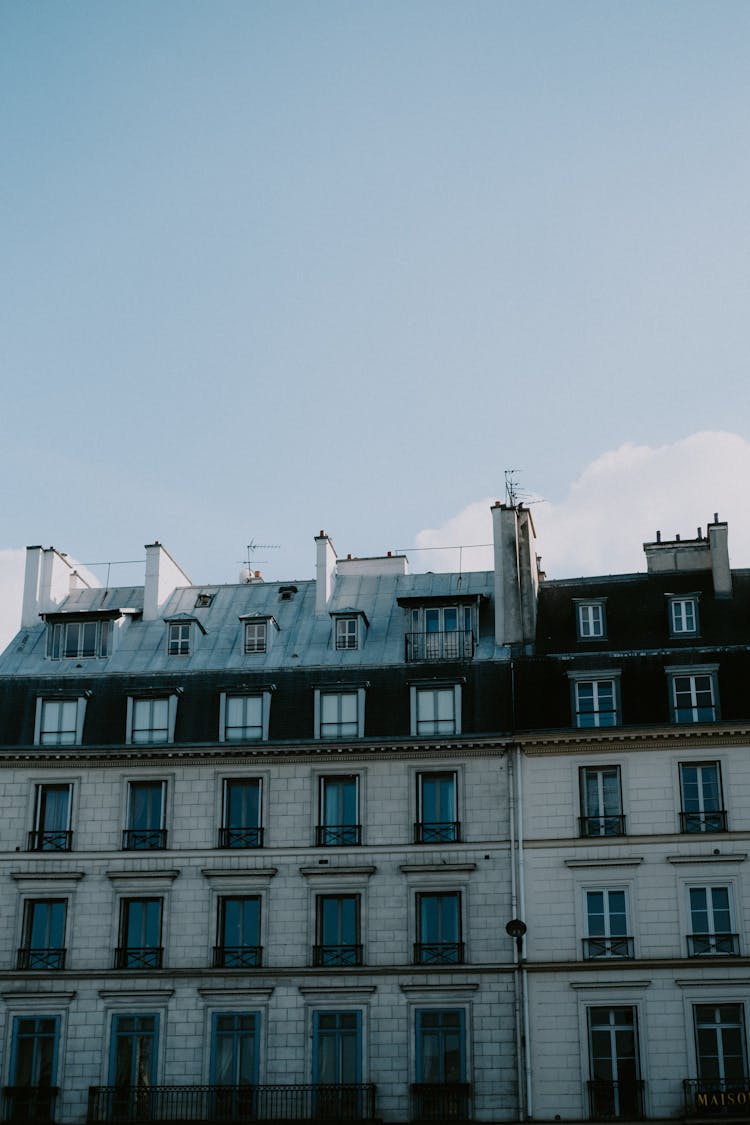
[
  {"x": 163, "y": 576},
  {"x": 46, "y": 583},
  {"x": 325, "y": 571},
  {"x": 718, "y": 538}
]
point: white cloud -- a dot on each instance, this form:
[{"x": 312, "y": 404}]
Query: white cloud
[{"x": 615, "y": 505}]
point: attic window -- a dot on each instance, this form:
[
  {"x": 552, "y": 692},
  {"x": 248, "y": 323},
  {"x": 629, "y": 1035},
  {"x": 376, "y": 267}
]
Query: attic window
[
  {"x": 203, "y": 601},
  {"x": 286, "y": 593}
]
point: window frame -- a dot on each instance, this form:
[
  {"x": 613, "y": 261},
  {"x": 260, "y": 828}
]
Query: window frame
[
  {"x": 591, "y": 619},
  {"x": 343, "y": 833},
  {"x": 680, "y": 608},
  {"x": 442, "y": 952},
  {"x": 595, "y": 678},
  {"x": 43, "y": 702},
  {"x": 439, "y": 831},
  {"x": 418, "y": 690},
  {"x": 237, "y": 1098},
  {"x": 250, "y": 835},
  {"x": 614, "y": 820},
  {"x": 140, "y": 952},
  {"x": 62, "y": 841},
  {"x": 692, "y": 673},
  {"x": 179, "y": 638},
  {"x": 340, "y": 690},
  {"x": 420, "y": 1055},
  {"x": 114, "y": 1038},
  {"x": 225, "y": 699},
  {"x": 246, "y": 955},
  {"x": 37, "y": 1018},
  {"x": 607, "y": 946},
  {"x": 346, "y": 1098},
  {"x": 324, "y": 951},
  {"x": 50, "y": 956},
  {"x": 154, "y": 837},
  {"x": 347, "y": 636},
  {"x": 605, "y": 1093},
  {"x": 58, "y": 645},
  {"x": 706, "y": 943},
  {"x": 720, "y": 1082},
  {"x": 133, "y": 706},
  {"x": 424, "y": 643},
  {"x": 702, "y": 819}
]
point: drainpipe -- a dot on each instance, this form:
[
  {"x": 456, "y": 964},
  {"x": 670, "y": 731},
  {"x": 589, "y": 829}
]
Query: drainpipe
[
  {"x": 516, "y": 961},
  {"x": 522, "y": 910}
]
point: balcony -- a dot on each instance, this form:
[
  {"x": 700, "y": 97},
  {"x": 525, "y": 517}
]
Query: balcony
[
  {"x": 704, "y": 821},
  {"x": 596, "y": 948},
  {"x": 423, "y": 647},
  {"x": 237, "y": 956},
  {"x": 135, "y": 957},
  {"x": 338, "y": 835},
  {"x": 144, "y": 839},
  {"x": 439, "y": 953},
  {"x": 718, "y": 1098},
  {"x": 713, "y": 945},
  {"x": 602, "y": 825},
  {"x": 615, "y": 1101},
  {"x": 30, "y": 1105},
  {"x": 241, "y": 837},
  {"x": 224, "y": 1104},
  {"x": 437, "y": 832},
  {"x": 336, "y": 956},
  {"x": 33, "y": 958},
  {"x": 440, "y": 1101},
  {"x": 49, "y": 841}
]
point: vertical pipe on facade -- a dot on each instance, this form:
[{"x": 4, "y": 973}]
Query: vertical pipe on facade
[
  {"x": 516, "y": 965},
  {"x": 522, "y": 907}
]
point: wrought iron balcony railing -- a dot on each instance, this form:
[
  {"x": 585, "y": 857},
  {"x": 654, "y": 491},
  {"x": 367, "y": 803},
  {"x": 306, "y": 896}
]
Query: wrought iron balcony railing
[
  {"x": 30, "y": 957},
  {"x": 437, "y": 832},
  {"x": 237, "y": 956},
  {"x": 595, "y": 948},
  {"x": 602, "y": 825},
  {"x": 438, "y": 953},
  {"x": 718, "y": 1098},
  {"x": 224, "y": 1104},
  {"x": 46, "y": 840},
  {"x": 455, "y": 645},
  {"x": 615, "y": 1101},
  {"x": 338, "y": 835},
  {"x": 30, "y": 1105},
  {"x": 144, "y": 839},
  {"x": 139, "y": 957},
  {"x": 713, "y": 945},
  {"x": 241, "y": 837},
  {"x": 440, "y": 1101},
  {"x": 704, "y": 821},
  {"x": 332, "y": 956}
]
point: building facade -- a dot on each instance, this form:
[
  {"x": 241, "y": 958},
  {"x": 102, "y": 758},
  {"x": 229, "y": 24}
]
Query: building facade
[{"x": 378, "y": 845}]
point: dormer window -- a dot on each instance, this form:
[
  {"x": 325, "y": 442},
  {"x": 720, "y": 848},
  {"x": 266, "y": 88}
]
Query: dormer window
[
  {"x": 683, "y": 616},
  {"x": 178, "y": 638},
  {"x": 439, "y": 632},
  {"x": 78, "y": 639},
  {"x": 203, "y": 601},
  {"x": 591, "y": 620},
  {"x": 349, "y": 628},
  {"x": 257, "y": 633}
]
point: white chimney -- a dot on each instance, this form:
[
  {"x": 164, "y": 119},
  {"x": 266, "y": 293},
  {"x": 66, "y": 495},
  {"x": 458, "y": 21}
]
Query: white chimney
[
  {"x": 718, "y": 537},
  {"x": 46, "y": 583},
  {"x": 163, "y": 576},
  {"x": 325, "y": 571},
  {"x": 516, "y": 575}
]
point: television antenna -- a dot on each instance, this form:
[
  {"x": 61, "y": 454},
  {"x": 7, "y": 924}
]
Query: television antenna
[
  {"x": 516, "y": 495},
  {"x": 252, "y": 547}
]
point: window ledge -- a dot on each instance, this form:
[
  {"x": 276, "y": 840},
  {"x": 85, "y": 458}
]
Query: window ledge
[
  {"x": 47, "y": 876},
  {"x": 617, "y": 861},
  {"x": 714, "y": 857},
  {"x": 325, "y": 869},
  {"x": 239, "y": 872},
  {"x": 423, "y": 868},
  {"x": 137, "y": 876}
]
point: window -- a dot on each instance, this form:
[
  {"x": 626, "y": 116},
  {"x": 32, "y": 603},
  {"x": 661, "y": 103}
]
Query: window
[
  {"x": 615, "y": 1089},
  {"x": 244, "y": 718},
  {"x": 595, "y": 701},
  {"x": 256, "y": 635},
  {"x": 702, "y": 801},
  {"x": 440, "y": 633},
  {"x": 178, "y": 638},
  {"x": 439, "y": 929},
  {"x": 720, "y": 1048},
  {"x": 151, "y": 719},
  {"x": 591, "y": 620},
  {"x": 59, "y": 722},
  {"x": 607, "y": 925},
  {"x": 711, "y": 923},
  {"x": 441, "y": 1092},
  {"x": 242, "y": 811},
  {"x": 347, "y": 633},
  {"x": 437, "y": 805},
  {"x": 683, "y": 617},
  {"x": 337, "y": 1061},
  {"x": 140, "y": 934},
  {"x": 132, "y": 1068},
  {"x": 693, "y": 696},
  {"x": 340, "y": 714},
  {"x": 601, "y": 801},
  {"x": 238, "y": 938},
  {"x": 338, "y": 931},
  {"x": 145, "y": 830},
  {"x": 234, "y": 1063},
  {"x": 33, "y": 1069},
  {"x": 78, "y": 639},
  {"x": 339, "y": 812},
  {"x": 51, "y": 832},
  {"x": 435, "y": 710},
  {"x": 43, "y": 934}
]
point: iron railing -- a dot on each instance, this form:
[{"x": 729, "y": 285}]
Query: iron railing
[
  {"x": 241, "y": 837},
  {"x": 602, "y": 825},
  {"x": 437, "y": 832},
  {"x": 615, "y": 1101},
  {"x": 237, "y": 956},
  {"x": 718, "y": 1098},
  {"x": 440, "y": 1101},
  {"x": 30, "y": 1105},
  {"x": 332, "y": 956},
  {"x": 144, "y": 839},
  {"x": 224, "y": 1104},
  {"x": 715, "y": 821},
  {"x": 30, "y": 957},
  {"x": 438, "y": 953},
  {"x": 613, "y": 947},
  {"x": 713, "y": 945},
  {"x": 338, "y": 835},
  {"x": 45, "y": 840},
  {"x": 453, "y": 645},
  {"x": 139, "y": 957}
]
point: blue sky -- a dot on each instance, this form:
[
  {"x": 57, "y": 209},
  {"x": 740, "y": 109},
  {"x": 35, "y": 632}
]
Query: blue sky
[{"x": 272, "y": 267}]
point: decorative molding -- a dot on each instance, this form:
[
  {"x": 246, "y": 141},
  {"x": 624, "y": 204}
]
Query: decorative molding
[
  {"x": 617, "y": 861},
  {"x": 715, "y": 857}
]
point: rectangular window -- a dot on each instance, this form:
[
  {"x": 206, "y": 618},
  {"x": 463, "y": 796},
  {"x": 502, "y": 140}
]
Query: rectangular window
[
  {"x": 440, "y": 633},
  {"x": 51, "y": 832},
  {"x": 58, "y": 723},
  {"x": 238, "y": 937},
  {"x": 347, "y": 633},
  {"x": 601, "y": 801},
  {"x": 437, "y": 809},
  {"x": 243, "y": 718},
  {"x": 694, "y": 697},
  {"x": 337, "y": 1061},
  {"x": 152, "y": 719},
  {"x": 178, "y": 638},
  {"x": 78, "y": 639},
  {"x": 339, "y": 812},
  {"x": 338, "y": 931},
  {"x": 256, "y": 637},
  {"x": 140, "y": 934},
  {"x": 711, "y": 923},
  {"x": 339, "y": 714},
  {"x": 33, "y": 1069},
  {"x": 607, "y": 925},
  {"x": 132, "y": 1064},
  {"x": 145, "y": 830},
  {"x": 436, "y": 710},
  {"x": 615, "y": 1088},
  {"x": 242, "y": 813},
  {"x": 595, "y": 703},
  {"x": 683, "y": 617},
  {"x": 234, "y": 1063},
  {"x": 43, "y": 934},
  {"x": 439, "y": 929},
  {"x": 702, "y": 802},
  {"x": 720, "y": 1046},
  {"x": 591, "y": 621}
]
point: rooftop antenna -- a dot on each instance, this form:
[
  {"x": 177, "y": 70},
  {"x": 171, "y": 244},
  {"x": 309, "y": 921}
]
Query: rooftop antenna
[
  {"x": 250, "y": 561},
  {"x": 511, "y": 486}
]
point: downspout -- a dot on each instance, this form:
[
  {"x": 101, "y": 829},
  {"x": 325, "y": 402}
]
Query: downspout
[
  {"x": 516, "y": 964},
  {"x": 522, "y": 909}
]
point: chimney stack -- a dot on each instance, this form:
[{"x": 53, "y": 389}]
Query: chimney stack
[
  {"x": 325, "y": 571},
  {"x": 163, "y": 576}
]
